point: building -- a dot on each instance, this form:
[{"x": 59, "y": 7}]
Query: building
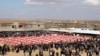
[{"x": 26, "y": 25}]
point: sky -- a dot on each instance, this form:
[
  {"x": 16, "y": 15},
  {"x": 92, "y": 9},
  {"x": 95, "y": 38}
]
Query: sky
[{"x": 50, "y": 9}]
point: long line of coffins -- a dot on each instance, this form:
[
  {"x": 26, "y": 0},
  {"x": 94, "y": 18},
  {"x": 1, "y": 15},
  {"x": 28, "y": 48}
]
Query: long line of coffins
[{"x": 41, "y": 39}]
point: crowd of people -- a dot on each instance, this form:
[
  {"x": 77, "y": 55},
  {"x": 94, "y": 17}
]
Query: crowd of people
[
  {"x": 90, "y": 47},
  {"x": 27, "y": 33},
  {"x": 76, "y": 48}
]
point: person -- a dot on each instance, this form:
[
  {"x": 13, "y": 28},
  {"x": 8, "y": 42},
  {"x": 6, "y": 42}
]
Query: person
[
  {"x": 56, "y": 46},
  {"x": 63, "y": 52},
  {"x": 37, "y": 55},
  {"x": 0, "y": 49},
  {"x": 90, "y": 53},
  {"x": 77, "y": 53},
  {"x": 51, "y": 52},
  {"x": 41, "y": 53},
  {"x": 3, "y": 51},
  {"x": 57, "y": 54},
  {"x": 70, "y": 52},
  {"x": 17, "y": 50},
  {"x": 26, "y": 50},
  {"x": 97, "y": 51},
  {"x": 30, "y": 51},
  {"x": 5, "y": 48}
]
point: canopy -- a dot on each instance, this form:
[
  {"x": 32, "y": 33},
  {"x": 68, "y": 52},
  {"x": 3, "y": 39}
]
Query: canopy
[{"x": 76, "y": 30}]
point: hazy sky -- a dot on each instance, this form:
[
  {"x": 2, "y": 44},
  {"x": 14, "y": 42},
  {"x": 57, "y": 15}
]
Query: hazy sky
[{"x": 50, "y": 9}]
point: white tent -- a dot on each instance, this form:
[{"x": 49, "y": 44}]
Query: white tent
[{"x": 76, "y": 30}]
